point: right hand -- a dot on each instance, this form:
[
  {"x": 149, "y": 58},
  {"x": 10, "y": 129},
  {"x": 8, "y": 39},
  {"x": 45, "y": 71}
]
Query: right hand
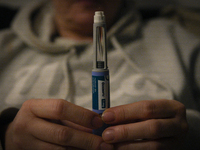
[{"x": 34, "y": 127}]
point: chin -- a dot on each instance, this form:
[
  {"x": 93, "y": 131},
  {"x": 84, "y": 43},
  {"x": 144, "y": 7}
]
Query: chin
[{"x": 85, "y": 17}]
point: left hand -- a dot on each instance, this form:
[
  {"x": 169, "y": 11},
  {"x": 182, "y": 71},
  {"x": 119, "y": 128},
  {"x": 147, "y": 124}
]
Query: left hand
[{"x": 152, "y": 125}]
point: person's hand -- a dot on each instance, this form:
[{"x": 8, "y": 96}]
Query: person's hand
[
  {"x": 146, "y": 125},
  {"x": 36, "y": 127}
]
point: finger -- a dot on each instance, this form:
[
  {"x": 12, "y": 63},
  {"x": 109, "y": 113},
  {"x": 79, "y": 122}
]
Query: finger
[
  {"x": 41, "y": 145},
  {"x": 143, "y": 110},
  {"x": 63, "y": 110},
  {"x": 65, "y": 136},
  {"x": 29, "y": 142},
  {"x": 149, "y": 129},
  {"x": 162, "y": 144},
  {"x": 75, "y": 126}
]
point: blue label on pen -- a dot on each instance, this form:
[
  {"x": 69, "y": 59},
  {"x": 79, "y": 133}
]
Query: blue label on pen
[
  {"x": 100, "y": 91},
  {"x": 103, "y": 103}
]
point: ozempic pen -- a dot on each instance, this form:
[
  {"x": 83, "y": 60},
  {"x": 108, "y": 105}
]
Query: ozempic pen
[{"x": 100, "y": 72}]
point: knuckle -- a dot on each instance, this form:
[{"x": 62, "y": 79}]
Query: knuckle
[
  {"x": 124, "y": 133},
  {"x": 27, "y": 104},
  {"x": 58, "y": 107},
  {"x": 63, "y": 136},
  {"x": 155, "y": 128},
  {"x": 181, "y": 115},
  {"x": 90, "y": 144},
  {"x": 148, "y": 109},
  {"x": 181, "y": 110},
  {"x": 122, "y": 114},
  {"x": 84, "y": 117}
]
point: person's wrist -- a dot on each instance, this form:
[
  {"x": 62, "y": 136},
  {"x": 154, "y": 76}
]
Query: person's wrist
[{"x": 6, "y": 117}]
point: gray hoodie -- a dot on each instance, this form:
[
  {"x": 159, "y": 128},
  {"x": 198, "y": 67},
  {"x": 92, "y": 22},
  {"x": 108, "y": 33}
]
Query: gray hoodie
[{"x": 143, "y": 59}]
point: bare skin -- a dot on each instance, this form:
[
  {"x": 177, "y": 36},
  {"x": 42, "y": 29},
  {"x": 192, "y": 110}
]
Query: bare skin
[
  {"x": 156, "y": 124},
  {"x": 54, "y": 124},
  {"x": 58, "y": 124}
]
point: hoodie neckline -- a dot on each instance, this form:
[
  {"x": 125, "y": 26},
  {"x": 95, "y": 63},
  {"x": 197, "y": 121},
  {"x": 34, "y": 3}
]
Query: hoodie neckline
[{"x": 38, "y": 37}]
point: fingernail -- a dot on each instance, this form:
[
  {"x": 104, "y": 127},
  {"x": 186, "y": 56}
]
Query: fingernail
[
  {"x": 105, "y": 146},
  {"x": 97, "y": 122},
  {"x": 108, "y": 117},
  {"x": 108, "y": 135}
]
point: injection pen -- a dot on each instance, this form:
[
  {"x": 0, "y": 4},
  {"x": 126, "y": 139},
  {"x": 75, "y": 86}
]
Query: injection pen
[{"x": 100, "y": 72}]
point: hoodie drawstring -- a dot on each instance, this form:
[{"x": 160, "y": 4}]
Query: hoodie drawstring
[
  {"x": 68, "y": 74},
  {"x": 119, "y": 48},
  {"x": 62, "y": 71}
]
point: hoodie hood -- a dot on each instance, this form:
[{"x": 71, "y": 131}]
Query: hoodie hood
[
  {"x": 36, "y": 73},
  {"x": 35, "y": 26}
]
